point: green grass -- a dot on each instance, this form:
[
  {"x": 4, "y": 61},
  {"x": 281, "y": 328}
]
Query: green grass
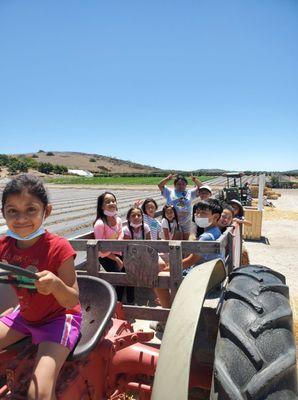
[{"x": 114, "y": 180}]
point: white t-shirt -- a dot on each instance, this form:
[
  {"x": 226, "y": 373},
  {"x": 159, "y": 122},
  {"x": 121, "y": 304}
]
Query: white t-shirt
[
  {"x": 182, "y": 203},
  {"x": 136, "y": 235},
  {"x": 172, "y": 228}
]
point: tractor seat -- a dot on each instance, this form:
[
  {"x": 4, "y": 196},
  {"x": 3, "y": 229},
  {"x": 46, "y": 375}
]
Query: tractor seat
[{"x": 98, "y": 302}]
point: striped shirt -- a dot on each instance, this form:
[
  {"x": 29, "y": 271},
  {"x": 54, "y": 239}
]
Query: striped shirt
[{"x": 154, "y": 226}]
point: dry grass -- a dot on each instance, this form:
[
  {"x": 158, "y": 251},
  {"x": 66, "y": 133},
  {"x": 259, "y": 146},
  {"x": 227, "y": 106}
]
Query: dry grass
[{"x": 82, "y": 161}]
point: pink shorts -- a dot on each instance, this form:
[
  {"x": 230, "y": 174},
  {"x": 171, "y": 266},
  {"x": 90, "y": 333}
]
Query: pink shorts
[{"x": 64, "y": 330}]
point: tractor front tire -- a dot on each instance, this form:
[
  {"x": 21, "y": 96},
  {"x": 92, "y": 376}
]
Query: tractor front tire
[{"x": 255, "y": 350}]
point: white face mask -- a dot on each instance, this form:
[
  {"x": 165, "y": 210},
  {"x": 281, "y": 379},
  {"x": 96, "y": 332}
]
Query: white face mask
[
  {"x": 39, "y": 231},
  {"x": 136, "y": 225},
  {"x": 110, "y": 213},
  {"x": 202, "y": 222}
]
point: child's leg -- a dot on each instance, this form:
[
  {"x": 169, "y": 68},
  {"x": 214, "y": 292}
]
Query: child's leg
[
  {"x": 8, "y": 336},
  {"x": 185, "y": 235},
  {"x": 164, "y": 297},
  {"x": 49, "y": 360},
  {"x": 162, "y": 264}
]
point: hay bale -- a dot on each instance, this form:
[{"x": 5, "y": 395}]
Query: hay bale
[{"x": 272, "y": 197}]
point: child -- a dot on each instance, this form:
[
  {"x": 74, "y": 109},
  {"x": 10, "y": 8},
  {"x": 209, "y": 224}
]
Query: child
[
  {"x": 207, "y": 215},
  {"x": 205, "y": 192},
  {"x": 239, "y": 213},
  {"x": 149, "y": 208},
  {"x": 170, "y": 224},
  {"x": 136, "y": 228},
  {"x": 226, "y": 217},
  {"x": 181, "y": 199},
  {"x": 108, "y": 225},
  {"x": 240, "y": 219},
  {"x": 51, "y": 315}
]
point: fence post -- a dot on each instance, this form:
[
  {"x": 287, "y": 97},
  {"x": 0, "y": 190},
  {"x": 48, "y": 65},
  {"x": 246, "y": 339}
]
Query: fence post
[
  {"x": 92, "y": 258},
  {"x": 230, "y": 263},
  {"x": 175, "y": 256}
]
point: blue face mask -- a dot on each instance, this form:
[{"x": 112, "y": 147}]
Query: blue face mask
[{"x": 40, "y": 231}]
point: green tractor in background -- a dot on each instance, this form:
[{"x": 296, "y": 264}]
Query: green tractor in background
[{"x": 235, "y": 190}]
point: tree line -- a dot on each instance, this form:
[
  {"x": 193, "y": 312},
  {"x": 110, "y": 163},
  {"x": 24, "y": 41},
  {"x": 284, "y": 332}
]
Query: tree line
[{"x": 16, "y": 165}]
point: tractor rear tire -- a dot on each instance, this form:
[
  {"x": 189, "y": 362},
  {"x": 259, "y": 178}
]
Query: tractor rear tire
[{"x": 255, "y": 349}]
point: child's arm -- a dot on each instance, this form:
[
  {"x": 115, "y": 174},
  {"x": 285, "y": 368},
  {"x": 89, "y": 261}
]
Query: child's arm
[
  {"x": 63, "y": 287},
  {"x": 190, "y": 260},
  {"x": 243, "y": 221},
  {"x": 115, "y": 258},
  {"x": 196, "y": 181},
  {"x": 162, "y": 183},
  {"x": 126, "y": 233},
  {"x": 99, "y": 233}
]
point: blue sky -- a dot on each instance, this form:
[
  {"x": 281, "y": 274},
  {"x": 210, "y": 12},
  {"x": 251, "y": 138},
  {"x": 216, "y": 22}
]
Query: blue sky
[{"x": 174, "y": 84}]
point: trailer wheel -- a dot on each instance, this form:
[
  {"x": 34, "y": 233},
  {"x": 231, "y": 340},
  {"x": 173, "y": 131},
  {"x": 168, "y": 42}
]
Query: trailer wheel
[{"x": 255, "y": 349}]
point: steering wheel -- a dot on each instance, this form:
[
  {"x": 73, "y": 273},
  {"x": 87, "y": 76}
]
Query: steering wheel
[{"x": 16, "y": 276}]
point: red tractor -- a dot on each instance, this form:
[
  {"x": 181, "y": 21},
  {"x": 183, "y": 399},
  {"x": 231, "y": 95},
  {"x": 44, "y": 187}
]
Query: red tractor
[{"x": 228, "y": 334}]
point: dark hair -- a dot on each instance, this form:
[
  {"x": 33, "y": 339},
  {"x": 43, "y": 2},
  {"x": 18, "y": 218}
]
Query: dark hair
[
  {"x": 29, "y": 182},
  {"x": 227, "y": 206},
  {"x": 180, "y": 178},
  {"x": 241, "y": 210},
  {"x": 146, "y": 202},
  {"x": 212, "y": 205},
  {"x": 128, "y": 223},
  {"x": 99, "y": 210},
  {"x": 175, "y": 215}
]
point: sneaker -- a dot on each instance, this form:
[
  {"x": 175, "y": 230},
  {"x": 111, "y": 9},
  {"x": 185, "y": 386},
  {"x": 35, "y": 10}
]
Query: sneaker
[{"x": 157, "y": 326}]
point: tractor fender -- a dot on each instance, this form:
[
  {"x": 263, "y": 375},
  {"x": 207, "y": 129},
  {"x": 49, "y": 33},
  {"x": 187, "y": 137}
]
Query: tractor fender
[{"x": 171, "y": 381}]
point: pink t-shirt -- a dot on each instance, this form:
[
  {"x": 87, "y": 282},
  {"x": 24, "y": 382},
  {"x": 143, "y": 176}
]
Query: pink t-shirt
[{"x": 104, "y": 231}]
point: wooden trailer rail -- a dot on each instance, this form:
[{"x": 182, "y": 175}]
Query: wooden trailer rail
[{"x": 226, "y": 247}]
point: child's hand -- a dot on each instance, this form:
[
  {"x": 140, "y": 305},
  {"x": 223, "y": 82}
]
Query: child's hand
[
  {"x": 119, "y": 263},
  {"x": 171, "y": 176},
  {"x": 238, "y": 221},
  {"x": 47, "y": 282},
  {"x": 138, "y": 203}
]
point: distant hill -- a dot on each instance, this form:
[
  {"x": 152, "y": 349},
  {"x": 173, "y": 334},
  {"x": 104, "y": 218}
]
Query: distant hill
[{"x": 92, "y": 162}]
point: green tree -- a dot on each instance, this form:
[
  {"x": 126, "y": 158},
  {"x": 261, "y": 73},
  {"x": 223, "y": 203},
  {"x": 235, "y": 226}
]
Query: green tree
[{"x": 45, "y": 168}]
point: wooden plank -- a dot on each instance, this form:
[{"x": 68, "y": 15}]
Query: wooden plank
[
  {"x": 162, "y": 246},
  {"x": 141, "y": 265},
  {"x": 175, "y": 257},
  {"x": 230, "y": 263},
  {"x": 92, "y": 264},
  {"x": 121, "y": 279},
  {"x": 146, "y": 313},
  {"x": 254, "y": 231}
]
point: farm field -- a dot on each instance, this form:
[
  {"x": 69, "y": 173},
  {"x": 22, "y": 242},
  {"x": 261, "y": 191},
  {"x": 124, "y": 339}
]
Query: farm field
[
  {"x": 74, "y": 206},
  {"x": 112, "y": 180}
]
